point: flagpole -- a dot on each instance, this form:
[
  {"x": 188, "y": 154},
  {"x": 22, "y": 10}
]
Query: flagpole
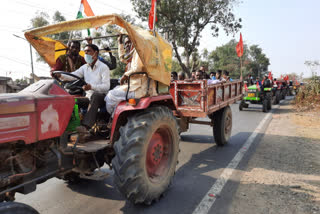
[
  {"x": 154, "y": 17},
  {"x": 241, "y": 68}
]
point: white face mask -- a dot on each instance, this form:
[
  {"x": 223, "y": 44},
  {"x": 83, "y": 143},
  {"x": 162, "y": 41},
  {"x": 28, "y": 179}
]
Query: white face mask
[{"x": 88, "y": 58}]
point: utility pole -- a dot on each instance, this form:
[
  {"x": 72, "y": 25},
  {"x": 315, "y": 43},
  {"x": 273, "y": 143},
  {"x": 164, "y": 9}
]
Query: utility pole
[{"x": 30, "y": 56}]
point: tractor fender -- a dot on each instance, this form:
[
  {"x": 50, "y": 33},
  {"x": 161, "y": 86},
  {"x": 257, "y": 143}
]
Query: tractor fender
[{"x": 124, "y": 109}]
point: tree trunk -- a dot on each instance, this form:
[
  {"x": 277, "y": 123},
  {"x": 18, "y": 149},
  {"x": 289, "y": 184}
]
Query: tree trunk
[{"x": 182, "y": 65}]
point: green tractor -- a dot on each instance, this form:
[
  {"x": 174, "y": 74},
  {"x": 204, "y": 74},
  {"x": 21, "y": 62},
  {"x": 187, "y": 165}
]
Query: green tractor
[{"x": 254, "y": 95}]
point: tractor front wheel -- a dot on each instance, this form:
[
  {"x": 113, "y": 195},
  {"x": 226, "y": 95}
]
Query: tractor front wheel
[
  {"x": 146, "y": 155},
  {"x": 16, "y": 208}
]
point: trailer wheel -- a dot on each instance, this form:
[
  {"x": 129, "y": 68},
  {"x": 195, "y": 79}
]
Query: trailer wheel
[
  {"x": 222, "y": 126},
  {"x": 16, "y": 208},
  {"x": 146, "y": 155}
]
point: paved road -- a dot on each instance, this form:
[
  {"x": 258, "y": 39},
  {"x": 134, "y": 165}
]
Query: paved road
[{"x": 200, "y": 164}]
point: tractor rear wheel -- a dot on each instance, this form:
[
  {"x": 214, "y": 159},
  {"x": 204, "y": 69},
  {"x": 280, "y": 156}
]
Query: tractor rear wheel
[
  {"x": 146, "y": 155},
  {"x": 269, "y": 103},
  {"x": 16, "y": 208},
  {"x": 240, "y": 106},
  {"x": 265, "y": 105},
  {"x": 222, "y": 126},
  {"x": 278, "y": 98}
]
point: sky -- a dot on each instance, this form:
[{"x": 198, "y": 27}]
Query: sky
[{"x": 286, "y": 30}]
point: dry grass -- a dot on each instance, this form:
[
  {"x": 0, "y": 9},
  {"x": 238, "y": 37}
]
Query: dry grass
[{"x": 308, "y": 97}]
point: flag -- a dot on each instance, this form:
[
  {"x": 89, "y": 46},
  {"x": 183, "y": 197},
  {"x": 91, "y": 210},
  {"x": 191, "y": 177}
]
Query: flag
[
  {"x": 239, "y": 47},
  {"x": 152, "y": 13},
  {"x": 270, "y": 76},
  {"x": 258, "y": 86},
  {"x": 86, "y": 10},
  {"x": 246, "y": 87}
]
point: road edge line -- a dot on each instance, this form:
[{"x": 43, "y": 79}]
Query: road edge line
[{"x": 211, "y": 196}]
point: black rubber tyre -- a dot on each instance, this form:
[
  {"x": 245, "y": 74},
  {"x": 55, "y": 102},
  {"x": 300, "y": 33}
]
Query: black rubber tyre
[
  {"x": 269, "y": 98},
  {"x": 16, "y": 208},
  {"x": 222, "y": 126},
  {"x": 72, "y": 178},
  {"x": 135, "y": 177},
  {"x": 265, "y": 105},
  {"x": 277, "y": 97},
  {"x": 240, "y": 106}
]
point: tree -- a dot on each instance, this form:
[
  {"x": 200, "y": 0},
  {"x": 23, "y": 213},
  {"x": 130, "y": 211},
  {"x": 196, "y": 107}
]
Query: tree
[
  {"x": 184, "y": 20},
  {"x": 42, "y": 19},
  {"x": 58, "y": 17},
  {"x": 254, "y": 61},
  {"x": 225, "y": 58},
  {"x": 313, "y": 65},
  {"x": 259, "y": 62}
]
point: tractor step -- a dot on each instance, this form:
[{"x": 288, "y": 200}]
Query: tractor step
[
  {"x": 90, "y": 146},
  {"x": 98, "y": 175}
]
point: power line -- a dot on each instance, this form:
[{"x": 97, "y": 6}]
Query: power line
[
  {"x": 103, "y": 3},
  {"x": 23, "y": 63},
  {"x": 43, "y": 8}
]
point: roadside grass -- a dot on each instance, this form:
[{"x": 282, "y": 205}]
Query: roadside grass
[{"x": 308, "y": 96}]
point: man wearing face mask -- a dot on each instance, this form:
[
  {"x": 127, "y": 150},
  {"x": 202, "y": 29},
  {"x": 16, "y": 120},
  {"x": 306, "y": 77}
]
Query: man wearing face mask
[
  {"x": 97, "y": 76},
  {"x": 138, "y": 83},
  {"x": 71, "y": 61}
]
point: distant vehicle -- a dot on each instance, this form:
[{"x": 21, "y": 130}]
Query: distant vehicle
[{"x": 254, "y": 95}]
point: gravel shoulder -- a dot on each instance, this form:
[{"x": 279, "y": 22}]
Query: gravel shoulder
[{"x": 283, "y": 174}]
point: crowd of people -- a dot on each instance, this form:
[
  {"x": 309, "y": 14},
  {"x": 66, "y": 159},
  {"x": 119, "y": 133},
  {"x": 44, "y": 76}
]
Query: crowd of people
[{"x": 201, "y": 74}]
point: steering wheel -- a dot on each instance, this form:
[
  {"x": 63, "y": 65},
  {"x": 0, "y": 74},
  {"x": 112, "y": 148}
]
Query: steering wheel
[{"x": 71, "y": 85}]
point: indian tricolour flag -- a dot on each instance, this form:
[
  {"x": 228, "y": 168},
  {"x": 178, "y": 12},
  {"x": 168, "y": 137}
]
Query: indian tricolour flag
[{"x": 85, "y": 11}]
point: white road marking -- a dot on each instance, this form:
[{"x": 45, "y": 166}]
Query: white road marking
[{"x": 215, "y": 190}]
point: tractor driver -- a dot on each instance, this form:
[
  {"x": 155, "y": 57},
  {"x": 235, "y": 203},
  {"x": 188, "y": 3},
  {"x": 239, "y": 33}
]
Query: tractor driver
[
  {"x": 97, "y": 76},
  {"x": 138, "y": 82}
]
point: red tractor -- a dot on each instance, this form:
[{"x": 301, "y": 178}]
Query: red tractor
[{"x": 38, "y": 140}]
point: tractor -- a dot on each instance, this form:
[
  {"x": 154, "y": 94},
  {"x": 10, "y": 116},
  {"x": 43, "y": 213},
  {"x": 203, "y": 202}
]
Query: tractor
[{"x": 257, "y": 95}]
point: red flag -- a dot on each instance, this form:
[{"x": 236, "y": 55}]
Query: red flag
[
  {"x": 239, "y": 47},
  {"x": 270, "y": 75},
  {"x": 245, "y": 87},
  {"x": 152, "y": 14}
]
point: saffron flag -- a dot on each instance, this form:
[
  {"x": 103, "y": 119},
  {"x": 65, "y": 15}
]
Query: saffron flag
[
  {"x": 86, "y": 9},
  {"x": 270, "y": 76},
  {"x": 152, "y": 13},
  {"x": 239, "y": 47},
  {"x": 246, "y": 87}
]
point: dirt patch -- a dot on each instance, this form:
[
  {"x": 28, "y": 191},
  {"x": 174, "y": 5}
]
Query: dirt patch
[{"x": 283, "y": 175}]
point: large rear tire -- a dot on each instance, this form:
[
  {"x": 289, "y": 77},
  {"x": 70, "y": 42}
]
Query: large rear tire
[
  {"x": 146, "y": 155},
  {"x": 265, "y": 105},
  {"x": 269, "y": 103},
  {"x": 222, "y": 126},
  {"x": 278, "y": 98},
  {"x": 240, "y": 106},
  {"x": 16, "y": 208}
]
